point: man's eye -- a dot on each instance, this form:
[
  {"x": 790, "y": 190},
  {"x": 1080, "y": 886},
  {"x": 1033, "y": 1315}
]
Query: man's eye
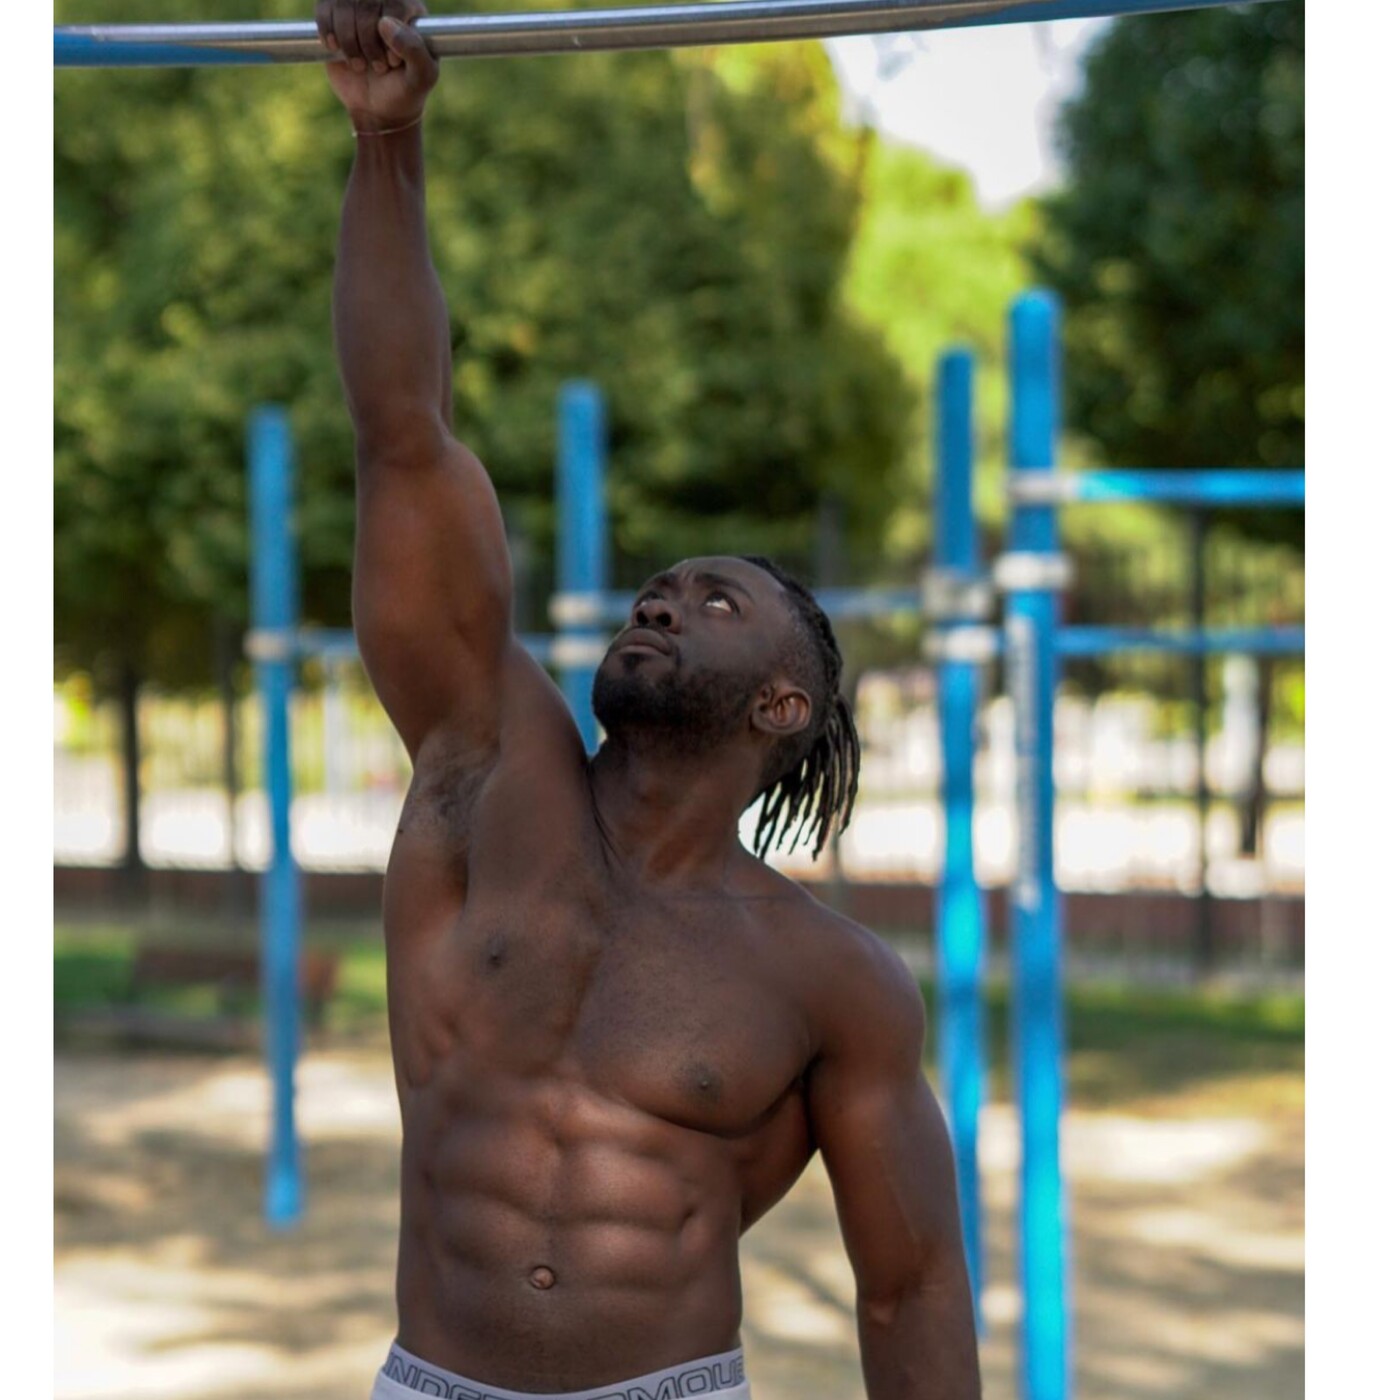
[{"x": 720, "y": 597}]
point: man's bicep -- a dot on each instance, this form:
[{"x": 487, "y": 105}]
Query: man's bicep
[
  {"x": 432, "y": 592},
  {"x": 885, "y": 1146}
]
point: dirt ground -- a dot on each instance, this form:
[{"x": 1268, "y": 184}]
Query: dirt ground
[{"x": 1187, "y": 1215}]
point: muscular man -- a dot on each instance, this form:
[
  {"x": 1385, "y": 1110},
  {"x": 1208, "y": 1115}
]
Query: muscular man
[{"x": 618, "y": 1037}]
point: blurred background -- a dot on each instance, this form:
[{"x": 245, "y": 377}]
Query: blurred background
[{"x": 757, "y": 253}]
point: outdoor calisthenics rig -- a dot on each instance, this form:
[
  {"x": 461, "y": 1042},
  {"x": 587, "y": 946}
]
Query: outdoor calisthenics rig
[
  {"x": 576, "y": 31},
  {"x": 955, "y": 602},
  {"x": 957, "y": 605}
]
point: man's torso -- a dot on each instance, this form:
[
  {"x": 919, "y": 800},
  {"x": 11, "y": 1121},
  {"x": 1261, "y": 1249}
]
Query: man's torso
[{"x": 601, "y": 1086}]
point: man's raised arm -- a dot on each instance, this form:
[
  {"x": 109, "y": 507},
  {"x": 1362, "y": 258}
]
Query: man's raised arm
[{"x": 432, "y": 570}]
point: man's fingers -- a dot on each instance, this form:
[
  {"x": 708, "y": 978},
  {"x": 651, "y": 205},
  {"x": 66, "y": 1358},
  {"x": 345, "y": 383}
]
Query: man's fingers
[
  {"x": 367, "y": 32},
  {"x": 347, "y": 37},
  {"x": 325, "y": 24},
  {"x": 405, "y": 41}
]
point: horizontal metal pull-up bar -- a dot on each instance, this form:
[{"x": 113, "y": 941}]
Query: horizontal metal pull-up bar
[
  {"x": 1224, "y": 487},
  {"x": 980, "y": 642},
  {"x": 574, "y": 31}
]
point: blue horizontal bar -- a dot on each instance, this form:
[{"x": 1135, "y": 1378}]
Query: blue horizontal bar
[
  {"x": 1051, "y": 10},
  {"x": 1229, "y": 487},
  {"x": 1226, "y": 641},
  {"x": 852, "y": 604},
  {"x": 327, "y": 643},
  {"x": 549, "y": 31},
  {"x": 618, "y": 605},
  {"x": 81, "y": 51},
  {"x": 334, "y": 644},
  {"x": 839, "y": 604}
]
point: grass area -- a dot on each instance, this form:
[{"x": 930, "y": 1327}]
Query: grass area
[
  {"x": 93, "y": 961},
  {"x": 1125, "y": 1042}
]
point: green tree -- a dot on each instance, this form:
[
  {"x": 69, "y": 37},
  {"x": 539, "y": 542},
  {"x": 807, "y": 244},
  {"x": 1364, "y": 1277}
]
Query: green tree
[
  {"x": 1177, "y": 244},
  {"x": 933, "y": 269},
  {"x": 673, "y": 226}
]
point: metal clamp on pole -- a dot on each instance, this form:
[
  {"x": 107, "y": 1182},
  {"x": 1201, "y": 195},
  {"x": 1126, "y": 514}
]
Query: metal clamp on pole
[
  {"x": 328, "y": 644},
  {"x": 269, "y": 644},
  {"x": 582, "y": 609},
  {"x": 1041, "y": 487},
  {"x": 1027, "y": 572},
  {"x": 953, "y": 594},
  {"x": 976, "y": 643}
]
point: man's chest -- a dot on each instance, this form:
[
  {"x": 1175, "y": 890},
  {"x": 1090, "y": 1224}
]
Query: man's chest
[{"x": 678, "y": 1008}]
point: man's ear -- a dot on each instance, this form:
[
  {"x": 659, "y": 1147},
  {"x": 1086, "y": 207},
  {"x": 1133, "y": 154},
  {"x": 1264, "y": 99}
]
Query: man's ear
[{"x": 782, "y": 710}]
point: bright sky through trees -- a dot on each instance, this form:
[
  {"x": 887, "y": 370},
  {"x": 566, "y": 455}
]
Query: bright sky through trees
[{"x": 980, "y": 99}]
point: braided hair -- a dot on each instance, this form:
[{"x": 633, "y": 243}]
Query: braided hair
[{"x": 810, "y": 783}]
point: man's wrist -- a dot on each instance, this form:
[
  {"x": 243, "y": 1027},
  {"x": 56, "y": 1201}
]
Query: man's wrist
[{"x": 363, "y": 124}]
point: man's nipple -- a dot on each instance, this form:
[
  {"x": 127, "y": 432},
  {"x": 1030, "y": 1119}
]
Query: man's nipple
[{"x": 542, "y": 1277}]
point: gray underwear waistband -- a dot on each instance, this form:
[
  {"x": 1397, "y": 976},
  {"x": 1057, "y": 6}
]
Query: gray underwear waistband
[{"x": 707, "y": 1375}]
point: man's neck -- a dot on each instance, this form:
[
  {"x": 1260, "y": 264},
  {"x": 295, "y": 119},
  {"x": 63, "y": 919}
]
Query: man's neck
[{"x": 671, "y": 819}]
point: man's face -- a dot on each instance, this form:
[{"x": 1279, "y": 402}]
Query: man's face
[{"x": 703, "y": 639}]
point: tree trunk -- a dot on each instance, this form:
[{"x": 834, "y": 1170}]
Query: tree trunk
[
  {"x": 1252, "y": 832},
  {"x": 1204, "y": 940},
  {"x": 129, "y": 698},
  {"x": 225, "y": 660}
]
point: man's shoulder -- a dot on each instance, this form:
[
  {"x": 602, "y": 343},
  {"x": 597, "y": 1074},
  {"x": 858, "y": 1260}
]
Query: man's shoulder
[{"x": 857, "y": 984}]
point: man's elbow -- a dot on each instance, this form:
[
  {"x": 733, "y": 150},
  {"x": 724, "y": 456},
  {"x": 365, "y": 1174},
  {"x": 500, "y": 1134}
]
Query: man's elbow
[
  {"x": 399, "y": 434},
  {"x": 919, "y": 1340},
  {"x": 934, "y": 1287},
  {"x": 883, "y": 1306}
]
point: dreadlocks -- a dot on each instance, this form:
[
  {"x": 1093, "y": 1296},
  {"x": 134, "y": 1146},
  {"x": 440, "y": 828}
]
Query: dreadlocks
[{"x": 810, "y": 783}]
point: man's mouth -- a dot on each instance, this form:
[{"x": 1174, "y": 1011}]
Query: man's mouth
[{"x": 644, "y": 639}]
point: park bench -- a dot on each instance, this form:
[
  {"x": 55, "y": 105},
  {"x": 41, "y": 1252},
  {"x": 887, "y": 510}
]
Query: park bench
[{"x": 235, "y": 974}]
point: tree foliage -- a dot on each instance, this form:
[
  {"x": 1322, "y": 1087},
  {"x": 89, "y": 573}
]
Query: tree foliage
[
  {"x": 1177, "y": 243},
  {"x": 673, "y": 226},
  {"x": 932, "y": 269}
]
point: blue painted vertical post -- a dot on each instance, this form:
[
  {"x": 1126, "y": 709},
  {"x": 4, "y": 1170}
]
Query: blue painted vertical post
[
  {"x": 274, "y": 616},
  {"x": 581, "y": 548},
  {"x": 1032, "y": 613},
  {"x": 958, "y": 918}
]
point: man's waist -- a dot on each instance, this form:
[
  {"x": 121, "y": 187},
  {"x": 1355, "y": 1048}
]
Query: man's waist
[{"x": 719, "y": 1375}]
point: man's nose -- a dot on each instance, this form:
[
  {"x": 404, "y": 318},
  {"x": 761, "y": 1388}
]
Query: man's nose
[{"x": 658, "y": 613}]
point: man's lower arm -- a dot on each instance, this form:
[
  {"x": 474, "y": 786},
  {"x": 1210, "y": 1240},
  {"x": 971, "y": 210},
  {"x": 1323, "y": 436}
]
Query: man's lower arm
[
  {"x": 391, "y": 326},
  {"x": 919, "y": 1344}
]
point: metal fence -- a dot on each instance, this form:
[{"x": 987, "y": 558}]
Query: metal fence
[{"x": 1125, "y": 763}]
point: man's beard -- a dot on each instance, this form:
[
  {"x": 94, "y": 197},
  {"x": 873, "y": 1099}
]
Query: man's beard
[{"x": 679, "y": 712}]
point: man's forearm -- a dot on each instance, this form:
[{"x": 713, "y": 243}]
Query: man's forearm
[
  {"x": 921, "y": 1345},
  {"x": 391, "y": 328}
]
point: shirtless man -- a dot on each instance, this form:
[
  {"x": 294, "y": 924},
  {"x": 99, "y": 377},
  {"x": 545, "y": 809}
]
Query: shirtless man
[{"x": 618, "y": 1037}]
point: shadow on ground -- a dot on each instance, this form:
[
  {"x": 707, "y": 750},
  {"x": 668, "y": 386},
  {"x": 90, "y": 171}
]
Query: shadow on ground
[{"x": 1188, "y": 1221}]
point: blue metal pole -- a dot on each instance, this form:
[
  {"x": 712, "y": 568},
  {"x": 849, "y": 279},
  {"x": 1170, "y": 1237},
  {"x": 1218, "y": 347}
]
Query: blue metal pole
[
  {"x": 274, "y": 616},
  {"x": 958, "y": 918},
  {"x": 1032, "y": 614},
  {"x": 581, "y": 549}
]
